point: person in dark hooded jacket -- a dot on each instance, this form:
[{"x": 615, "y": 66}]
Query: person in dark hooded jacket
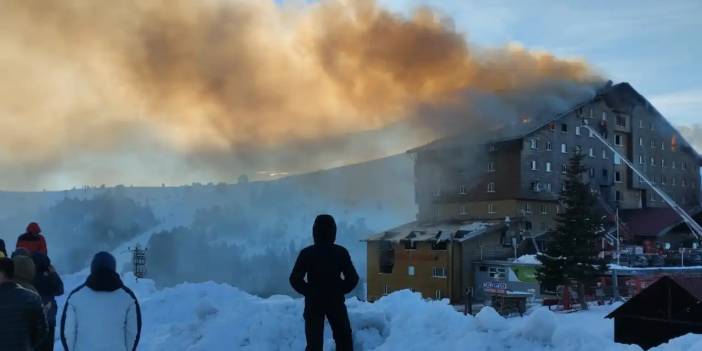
[
  {"x": 49, "y": 285},
  {"x": 323, "y": 264}
]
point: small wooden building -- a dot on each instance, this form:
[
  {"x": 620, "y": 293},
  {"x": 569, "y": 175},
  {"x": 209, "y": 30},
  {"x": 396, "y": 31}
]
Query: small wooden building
[{"x": 668, "y": 308}]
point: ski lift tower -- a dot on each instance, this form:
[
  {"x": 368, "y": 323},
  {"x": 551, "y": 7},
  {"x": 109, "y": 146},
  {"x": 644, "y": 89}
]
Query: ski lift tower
[{"x": 139, "y": 261}]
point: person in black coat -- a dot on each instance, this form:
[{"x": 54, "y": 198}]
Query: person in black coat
[
  {"x": 22, "y": 321},
  {"x": 2, "y": 248},
  {"x": 323, "y": 264},
  {"x": 49, "y": 285}
]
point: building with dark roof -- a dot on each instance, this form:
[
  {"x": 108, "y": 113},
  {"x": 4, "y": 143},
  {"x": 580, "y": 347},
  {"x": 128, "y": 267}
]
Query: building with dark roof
[
  {"x": 514, "y": 173},
  {"x": 668, "y": 308}
]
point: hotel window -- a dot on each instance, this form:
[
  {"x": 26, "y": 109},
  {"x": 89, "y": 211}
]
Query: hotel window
[
  {"x": 673, "y": 165},
  {"x": 491, "y": 208},
  {"x": 618, "y": 176},
  {"x": 591, "y": 153},
  {"x": 564, "y": 127},
  {"x": 641, "y": 159},
  {"x": 653, "y": 144},
  {"x": 618, "y": 139},
  {"x": 533, "y": 165},
  {"x": 683, "y": 182},
  {"x": 604, "y": 116},
  {"x": 536, "y": 186},
  {"x": 548, "y": 166},
  {"x": 604, "y": 154},
  {"x": 662, "y": 162},
  {"x": 533, "y": 144},
  {"x": 618, "y": 195},
  {"x": 662, "y": 146},
  {"x": 605, "y": 173},
  {"x": 410, "y": 245},
  {"x": 617, "y": 159},
  {"x": 654, "y": 179},
  {"x": 563, "y": 187},
  {"x": 491, "y": 166},
  {"x": 410, "y": 271},
  {"x": 462, "y": 189},
  {"x": 438, "y": 272},
  {"x": 684, "y": 165},
  {"x": 564, "y": 168},
  {"x": 653, "y": 197},
  {"x": 650, "y": 125},
  {"x": 592, "y": 134},
  {"x": 564, "y": 148},
  {"x": 664, "y": 179},
  {"x": 491, "y": 187},
  {"x": 672, "y": 181},
  {"x": 437, "y": 294},
  {"x": 544, "y": 209},
  {"x": 653, "y": 162},
  {"x": 558, "y": 209},
  {"x": 591, "y": 172},
  {"x": 641, "y": 123},
  {"x": 577, "y": 130},
  {"x": 547, "y": 187},
  {"x": 621, "y": 121},
  {"x": 641, "y": 142},
  {"x": 548, "y": 146},
  {"x": 492, "y": 147},
  {"x": 527, "y": 208},
  {"x": 462, "y": 211},
  {"x": 592, "y": 113}
]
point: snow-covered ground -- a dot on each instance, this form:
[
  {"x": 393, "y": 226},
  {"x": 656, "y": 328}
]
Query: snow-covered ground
[{"x": 210, "y": 316}]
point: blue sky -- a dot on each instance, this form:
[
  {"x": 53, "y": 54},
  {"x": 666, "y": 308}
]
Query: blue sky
[{"x": 655, "y": 45}]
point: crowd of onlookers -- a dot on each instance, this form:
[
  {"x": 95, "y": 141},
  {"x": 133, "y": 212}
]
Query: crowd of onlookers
[
  {"x": 101, "y": 314},
  {"x": 104, "y": 315}
]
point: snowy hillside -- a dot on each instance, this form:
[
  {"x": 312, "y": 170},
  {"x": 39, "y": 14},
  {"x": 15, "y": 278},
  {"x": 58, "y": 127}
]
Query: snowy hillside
[
  {"x": 232, "y": 229},
  {"x": 210, "y": 316}
]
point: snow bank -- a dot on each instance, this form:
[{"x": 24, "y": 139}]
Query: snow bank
[
  {"x": 211, "y": 316},
  {"x": 530, "y": 259}
]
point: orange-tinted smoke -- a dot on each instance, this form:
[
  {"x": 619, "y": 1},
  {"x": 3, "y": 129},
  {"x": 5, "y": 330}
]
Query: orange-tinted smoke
[{"x": 215, "y": 75}]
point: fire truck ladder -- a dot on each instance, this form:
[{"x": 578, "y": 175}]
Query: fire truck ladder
[{"x": 691, "y": 223}]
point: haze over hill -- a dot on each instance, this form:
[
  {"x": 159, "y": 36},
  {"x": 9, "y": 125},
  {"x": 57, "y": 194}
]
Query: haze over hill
[{"x": 217, "y": 232}]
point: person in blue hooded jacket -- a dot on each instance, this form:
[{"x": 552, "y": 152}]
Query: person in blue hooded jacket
[
  {"x": 330, "y": 275},
  {"x": 102, "y": 314}
]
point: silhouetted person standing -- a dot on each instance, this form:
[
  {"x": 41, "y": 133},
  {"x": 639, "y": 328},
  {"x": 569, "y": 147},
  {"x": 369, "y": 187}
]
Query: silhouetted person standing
[{"x": 323, "y": 263}]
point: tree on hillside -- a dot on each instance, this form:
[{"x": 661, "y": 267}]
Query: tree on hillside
[{"x": 572, "y": 254}]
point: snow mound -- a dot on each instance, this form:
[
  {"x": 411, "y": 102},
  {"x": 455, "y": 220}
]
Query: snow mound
[
  {"x": 529, "y": 259},
  {"x": 489, "y": 319},
  {"x": 211, "y": 316},
  {"x": 539, "y": 325}
]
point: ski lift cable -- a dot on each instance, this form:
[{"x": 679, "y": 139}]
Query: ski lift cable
[{"x": 695, "y": 228}]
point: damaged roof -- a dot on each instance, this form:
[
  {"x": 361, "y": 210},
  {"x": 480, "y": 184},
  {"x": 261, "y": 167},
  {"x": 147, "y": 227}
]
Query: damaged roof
[
  {"x": 621, "y": 97},
  {"x": 457, "y": 231}
]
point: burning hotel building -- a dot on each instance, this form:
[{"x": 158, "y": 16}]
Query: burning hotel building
[{"x": 496, "y": 197}]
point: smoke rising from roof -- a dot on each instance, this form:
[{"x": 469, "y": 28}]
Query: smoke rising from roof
[{"x": 99, "y": 92}]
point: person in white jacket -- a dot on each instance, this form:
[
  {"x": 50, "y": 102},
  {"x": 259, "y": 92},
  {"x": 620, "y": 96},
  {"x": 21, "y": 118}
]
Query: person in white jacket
[{"x": 102, "y": 314}]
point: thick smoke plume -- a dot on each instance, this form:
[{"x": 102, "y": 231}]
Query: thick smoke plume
[{"x": 110, "y": 91}]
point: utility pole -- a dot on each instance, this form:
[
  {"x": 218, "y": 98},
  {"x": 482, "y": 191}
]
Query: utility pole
[{"x": 617, "y": 220}]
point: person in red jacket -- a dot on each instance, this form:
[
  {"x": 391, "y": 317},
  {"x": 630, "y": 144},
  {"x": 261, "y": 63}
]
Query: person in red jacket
[{"x": 32, "y": 240}]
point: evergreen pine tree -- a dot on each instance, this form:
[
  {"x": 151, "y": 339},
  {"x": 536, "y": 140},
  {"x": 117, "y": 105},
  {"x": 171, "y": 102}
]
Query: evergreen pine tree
[{"x": 571, "y": 255}]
